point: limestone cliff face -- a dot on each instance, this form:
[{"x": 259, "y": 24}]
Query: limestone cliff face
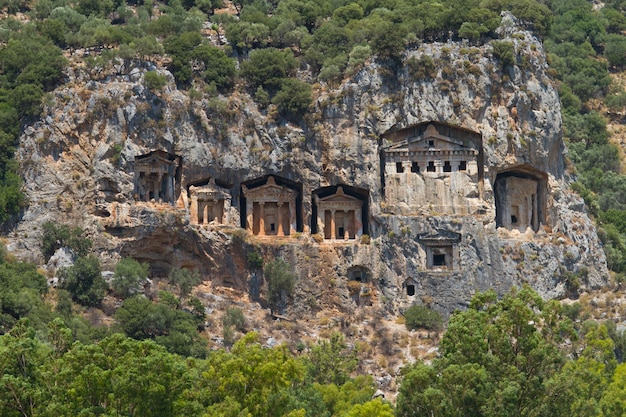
[{"x": 520, "y": 222}]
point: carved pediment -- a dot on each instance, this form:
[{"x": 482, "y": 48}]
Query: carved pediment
[
  {"x": 209, "y": 191},
  {"x": 339, "y": 199},
  {"x": 429, "y": 140},
  {"x": 270, "y": 192},
  {"x": 439, "y": 238},
  {"x": 156, "y": 161}
]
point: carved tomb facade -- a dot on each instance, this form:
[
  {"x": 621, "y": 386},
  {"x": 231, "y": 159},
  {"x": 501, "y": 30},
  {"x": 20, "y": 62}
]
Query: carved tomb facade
[
  {"x": 270, "y": 209},
  {"x": 339, "y": 216},
  {"x": 157, "y": 177},
  {"x": 209, "y": 203},
  {"x": 433, "y": 167}
]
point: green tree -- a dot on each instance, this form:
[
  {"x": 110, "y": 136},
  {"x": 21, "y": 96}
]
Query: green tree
[
  {"x": 268, "y": 67},
  {"x": 293, "y": 99},
  {"x": 388, "y": 42},
  {"x": 84, "y": 281},
  {"x": 128, "y": 275},
  {"x": 504, "y": 51},
  {"x": 234, "y": 317},
  {"x": 175, "y": 329},
  {"x": 280, "y": 283},
  {"x": 615, "y": 50},
  {"x": 373, "y": 408},
  {"x": 23, "y": 288},
  {"x": 184, "y": 279},
  {"x": 219, "y": 68},
  {"x": 21, "y": 376},
  {"x": 56, "y": 236},
  {"x": 497, "y": 358},
  {"x": 248, "y": 381},
  {"x": 331, "y": 361},
  {"x": 613, "y": 402},
  {"x": 117, "y": 376}
]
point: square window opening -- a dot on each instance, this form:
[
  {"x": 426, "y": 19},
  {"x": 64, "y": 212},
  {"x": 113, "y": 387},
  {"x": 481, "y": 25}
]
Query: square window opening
[
  {"x": 431, "y": 166},
  {"x": 463, "y": 166},
  {"x": 439, "y": 259},
  {"x": 447, "y": 167},
  {"x": 399, "y": 167},
  {"x": 415, "y": 167},
  {"x": 431, "y": 143}
]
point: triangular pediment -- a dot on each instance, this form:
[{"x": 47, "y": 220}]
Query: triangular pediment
[
  {"x": 434, "y": 137},
  {"x": 270, "y": 190},
  {"x": 155, "y": 157},
  {"x": 340, "y": 196},
  {"x": 210, "y": 191}
]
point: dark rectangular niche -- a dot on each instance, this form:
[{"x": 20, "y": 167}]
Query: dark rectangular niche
[{"x": 440, "y": 249}]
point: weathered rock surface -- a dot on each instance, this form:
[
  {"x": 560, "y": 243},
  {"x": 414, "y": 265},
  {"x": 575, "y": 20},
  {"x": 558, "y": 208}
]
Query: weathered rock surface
[{"x": 78, "y": 167}]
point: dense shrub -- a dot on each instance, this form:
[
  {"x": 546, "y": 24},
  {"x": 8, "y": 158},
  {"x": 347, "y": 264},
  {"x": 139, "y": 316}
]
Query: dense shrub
[
  {"x": 84, "y": 281},
  {"x": 154, "y": 81},
  {"x": 184, "y": 279},
  {"x": 58, "y": 236},
  {"x": 294, "y": 98},
  {"x": 175, "y": 329},
  {"x": 219, "y": 68},
  {"x": 280, "y": 283},
  {"x": 268, "y": 68},
  {"x": 128, "y": 275},
  {"x": 234, "y": 317},
  {"x": 422, "y": 317},
  {"x": 504, "y": 51}
]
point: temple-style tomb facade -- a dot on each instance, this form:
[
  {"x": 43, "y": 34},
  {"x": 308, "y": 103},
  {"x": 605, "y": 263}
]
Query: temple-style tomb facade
[
  {"x": 270, "y": 209},
  {"x": 209, "y": 203},
  {"x": 157, "y": 177},
  {"x": 433, "y": 167},
  {"x": 339, "y": 216}
]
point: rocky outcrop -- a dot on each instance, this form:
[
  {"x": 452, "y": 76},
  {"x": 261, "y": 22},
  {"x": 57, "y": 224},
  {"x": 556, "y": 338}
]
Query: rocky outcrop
[{"x": 78, "y": 164}]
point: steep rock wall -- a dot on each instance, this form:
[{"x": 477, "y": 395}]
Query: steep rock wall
[{"x": 78, "y": 165}]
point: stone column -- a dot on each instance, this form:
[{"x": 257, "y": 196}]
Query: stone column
[
  {"x": 279, "y": 216},
  {"x": 194, "y": 209},
  {"x": 358, "y": 222},
  {"x": 293, "y": 221},
  {"x": 261, "y": 218},
  {"x": 205, "y": 212},
  {"x": 169, "y": 189},
  {"x": 250, "y": 215},
  {"x": 157, "y": 188},
  {"x": 332, "y": 224},
  {"x": 346, "y": 226}
]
